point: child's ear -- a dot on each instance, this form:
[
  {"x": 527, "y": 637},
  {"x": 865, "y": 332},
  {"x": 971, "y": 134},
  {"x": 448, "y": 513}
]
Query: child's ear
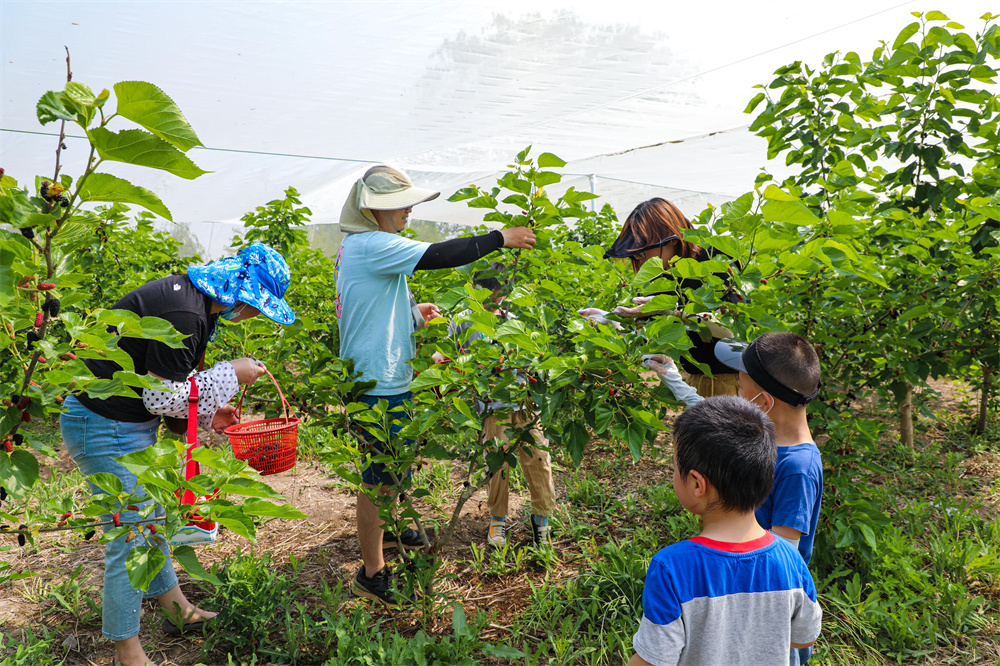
[{"x": 699, "y": 484}]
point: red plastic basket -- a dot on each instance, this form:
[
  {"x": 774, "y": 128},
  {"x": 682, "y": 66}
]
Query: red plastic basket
[{"x": 268, "y": 445}]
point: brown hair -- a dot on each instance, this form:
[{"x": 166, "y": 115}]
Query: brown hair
[{"x": 654, "y": 220}]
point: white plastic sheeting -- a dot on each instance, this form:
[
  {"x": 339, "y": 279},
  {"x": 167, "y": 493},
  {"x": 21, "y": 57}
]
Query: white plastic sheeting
[{"x": 641, "y": 98}]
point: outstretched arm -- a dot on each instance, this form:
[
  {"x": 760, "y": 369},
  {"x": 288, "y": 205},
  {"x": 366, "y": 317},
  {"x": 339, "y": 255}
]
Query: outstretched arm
[{"x": 461, "y": 251}]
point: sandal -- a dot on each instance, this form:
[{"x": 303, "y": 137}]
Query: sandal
[{"x": 188, "y": 628}]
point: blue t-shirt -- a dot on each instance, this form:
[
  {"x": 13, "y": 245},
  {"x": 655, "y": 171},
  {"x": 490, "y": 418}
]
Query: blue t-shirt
[
  {"x": 797, "y": 494},
  {"x": 376, "y": 309},
  {"x": 710, "y": 602}
]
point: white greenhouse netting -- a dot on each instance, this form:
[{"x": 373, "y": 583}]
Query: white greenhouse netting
[{"x": 642, "y": 99}]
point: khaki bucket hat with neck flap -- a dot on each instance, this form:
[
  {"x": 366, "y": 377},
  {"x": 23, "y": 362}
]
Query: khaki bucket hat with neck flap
[{"x": 381, "y": 188}]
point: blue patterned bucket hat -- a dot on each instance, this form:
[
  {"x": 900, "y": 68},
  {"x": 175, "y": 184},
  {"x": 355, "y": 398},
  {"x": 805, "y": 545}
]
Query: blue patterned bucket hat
[{"x": 257, "y": 276}]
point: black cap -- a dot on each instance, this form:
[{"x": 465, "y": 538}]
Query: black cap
[{"x": 745, "y": 358}]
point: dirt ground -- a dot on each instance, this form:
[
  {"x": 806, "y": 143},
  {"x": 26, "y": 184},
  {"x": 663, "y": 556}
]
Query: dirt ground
[{"x": 327, "y": 545}]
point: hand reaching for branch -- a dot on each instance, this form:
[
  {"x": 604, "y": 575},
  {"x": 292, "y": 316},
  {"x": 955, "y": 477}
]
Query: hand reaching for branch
[{"x": 518, "y": 237}]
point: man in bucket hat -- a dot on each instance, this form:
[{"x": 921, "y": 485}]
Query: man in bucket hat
[
  {"x": 378, "y": 315},
  {"x": 96, "y": 432}
]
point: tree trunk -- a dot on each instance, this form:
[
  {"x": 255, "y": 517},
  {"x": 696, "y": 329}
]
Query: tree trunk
[
  {"x": 906, "y": 417},
  {"x": 984, "y": 400}
]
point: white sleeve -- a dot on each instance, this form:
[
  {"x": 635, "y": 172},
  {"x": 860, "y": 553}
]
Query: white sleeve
[
  {"x": 794, "y": 542},
  {"x": 681, "y": 389},
  {"x": 216, "y": 387}
]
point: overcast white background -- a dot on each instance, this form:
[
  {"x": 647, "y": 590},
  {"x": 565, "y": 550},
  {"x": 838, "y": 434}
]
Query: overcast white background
[{"x": 450, "y": 90}]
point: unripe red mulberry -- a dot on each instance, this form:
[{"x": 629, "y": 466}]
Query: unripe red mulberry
[
  {"x": 23, "y": 401},
  {"x": 45, "y": 286},
  {"x": 39, "y": 319}
]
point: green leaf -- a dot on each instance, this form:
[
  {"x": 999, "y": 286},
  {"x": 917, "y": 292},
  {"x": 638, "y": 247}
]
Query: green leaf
[
  {"x": 259, "y": 507},
  {"x": 80, "y": 94},
  {"x": 107, "y": 482},
  {"x": 150, "y": 107},
  {"x": 143, "y": 563},
  {"x": 143, "y": 149},
  {"x": 905, "y": 34},
  {"x": 789, "y": 211},
  {"x": 249, "y": 488},
  {"x": 503, "y": 651},
  {"x": 18, "y": 472},
  {"x": 54, "y": 106},
  {"x": 546, "y": 160},
  {"x": 238, "y": 522},
  {"x": 869, "y": 536},
  {"x": 458, "y": 622},
  {"x": 189, "y": 560},
  {"x": 936, "y": 16},
  {"x": 757, "y": 99},
  {"x": 105, "y": 187}
]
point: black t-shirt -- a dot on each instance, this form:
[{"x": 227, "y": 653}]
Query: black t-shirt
[
  {"x": 176, "y": 300},
  {"x": 703, "y": 352}
]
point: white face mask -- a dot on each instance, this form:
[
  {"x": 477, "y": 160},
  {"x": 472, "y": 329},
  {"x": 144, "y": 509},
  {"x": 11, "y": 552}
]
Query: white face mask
[{"x": 760, "y": 394}]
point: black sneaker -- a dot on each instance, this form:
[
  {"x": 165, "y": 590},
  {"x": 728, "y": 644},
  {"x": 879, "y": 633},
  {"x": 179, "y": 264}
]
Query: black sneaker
[
  {"x": 410, "y": 539},
  {"x": 379, "y": 587}
]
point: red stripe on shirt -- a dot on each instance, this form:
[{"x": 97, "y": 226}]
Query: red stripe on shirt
[{"x": 730, "y": 547}]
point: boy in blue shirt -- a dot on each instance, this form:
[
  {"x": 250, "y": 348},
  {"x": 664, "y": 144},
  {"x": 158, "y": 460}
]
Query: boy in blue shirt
[{"x": 735, "y": 594}]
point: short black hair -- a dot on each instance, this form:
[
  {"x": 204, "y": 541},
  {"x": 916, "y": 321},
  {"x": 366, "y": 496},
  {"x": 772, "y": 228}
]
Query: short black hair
[
  {"x": 791, "y": 360},
  {"x": 493, "y": 282},
  {"x": 730, "y": 441}
]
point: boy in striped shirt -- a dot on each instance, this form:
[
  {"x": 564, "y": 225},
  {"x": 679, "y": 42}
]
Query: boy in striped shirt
[{"x": 734, "y": 594}]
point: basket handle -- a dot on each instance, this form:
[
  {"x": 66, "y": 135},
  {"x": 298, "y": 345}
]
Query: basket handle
[{"x": 284, "y": 402}]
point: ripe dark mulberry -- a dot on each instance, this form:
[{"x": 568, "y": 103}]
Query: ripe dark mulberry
[
  {"x": 33, "y": 337},
  {"x": 52, "y": 307},
  {"x": 20, "y": 537},
  {"x": 3, "y": 493},
  {"x": 23, "y": 401},
  {"x": 27, "y": 232},
  {"x": 18, "y": 439},
  {"x": 88, "y": 535},
  {"x": 39, "y": 319}
]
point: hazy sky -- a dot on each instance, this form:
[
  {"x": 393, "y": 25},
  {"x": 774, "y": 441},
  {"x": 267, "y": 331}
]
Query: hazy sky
[{"x": 448, "y": 86}]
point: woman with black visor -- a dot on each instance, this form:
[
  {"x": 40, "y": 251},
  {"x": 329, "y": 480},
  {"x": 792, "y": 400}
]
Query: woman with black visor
[{"x": 655, "y": 228}]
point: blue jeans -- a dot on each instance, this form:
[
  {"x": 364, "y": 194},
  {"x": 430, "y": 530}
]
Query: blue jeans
[
  {"x": 800, "y": 656},
  {"x": 376, "y": 474},
  {"x": 94, "y": 441}
]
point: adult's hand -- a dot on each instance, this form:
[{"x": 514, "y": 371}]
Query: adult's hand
[
  {"x": 518, "y": 237},
  {"x": 247, "y": 370},
  {"x": 639, "y": 301},
  {"x": 440, "y": 358},
  {"x": 429, "y": 311},
  {"x": 225, "y": 417}
]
